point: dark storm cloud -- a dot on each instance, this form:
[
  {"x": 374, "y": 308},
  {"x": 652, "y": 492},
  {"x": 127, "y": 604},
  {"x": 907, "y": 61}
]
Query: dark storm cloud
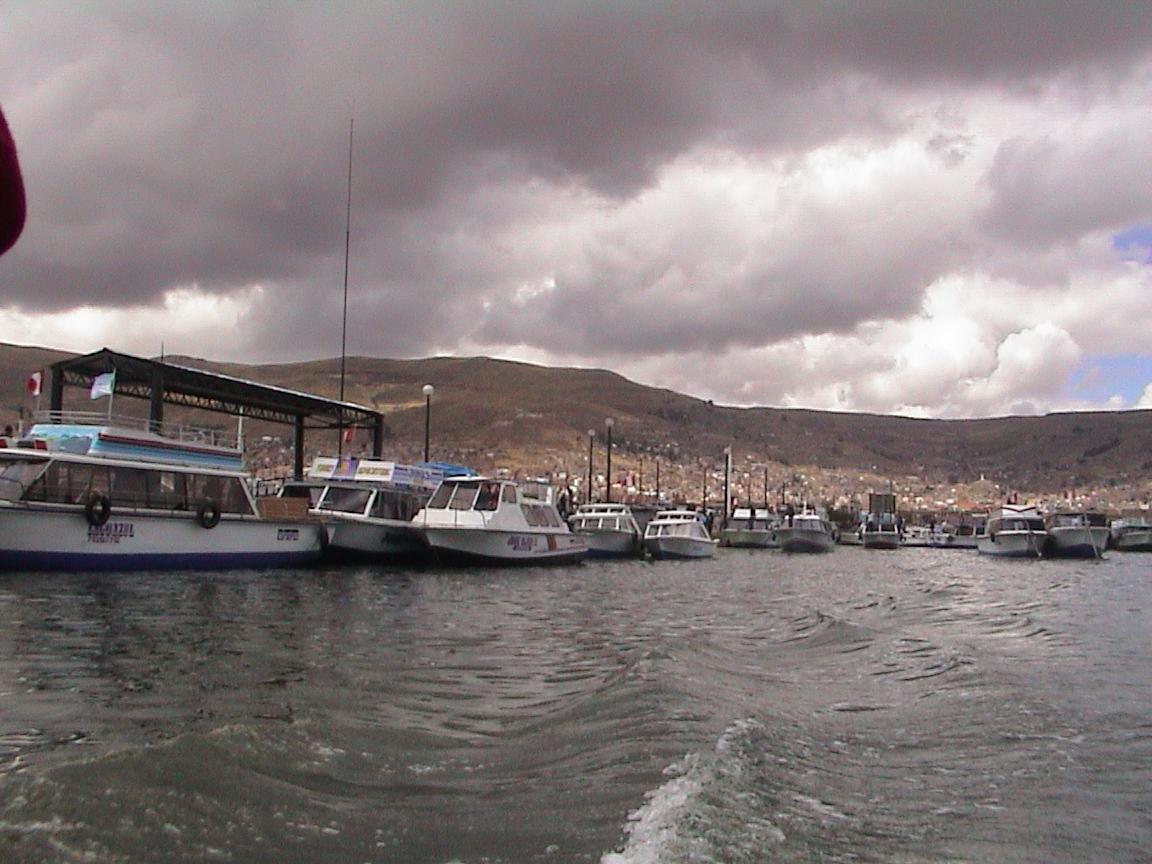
[{"x": 168, "y": 145}]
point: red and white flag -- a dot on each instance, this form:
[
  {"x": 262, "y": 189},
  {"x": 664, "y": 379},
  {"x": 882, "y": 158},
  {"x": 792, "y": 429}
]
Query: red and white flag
[{"x": 35, "y": 381}]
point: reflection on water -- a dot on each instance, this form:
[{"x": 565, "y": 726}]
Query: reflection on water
[{"x": 923, "y": 705}]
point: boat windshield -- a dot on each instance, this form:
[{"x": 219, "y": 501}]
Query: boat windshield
[
  {"x": 17, "y": 476},
  {"x": 455, "y": 496},
  {"x": 338, "y": 499}
]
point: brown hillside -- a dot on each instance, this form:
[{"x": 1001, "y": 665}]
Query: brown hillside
[{"x": 520, "y": 410}]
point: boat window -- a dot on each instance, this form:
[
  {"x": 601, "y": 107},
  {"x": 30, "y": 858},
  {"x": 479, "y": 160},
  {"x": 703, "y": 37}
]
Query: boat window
[
  {"x": 227, "y": 492},
  {"x": 17, "y": 476},
  {"x": 439, "y": 499},
  {"x": 165, "y": 490},
  {"x": 465, "y": 496},
  {"x": 129, "y": 487},
  {"x": 69, "y": 483},
  {"x": 488, "y": 497},
  {"x": 508, "y": 494},
  {"x": 395, "y": 505},
  {"x": 343, "y": 499}
]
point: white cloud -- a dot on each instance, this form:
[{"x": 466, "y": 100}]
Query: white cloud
[{"x": 189, "y": 321}]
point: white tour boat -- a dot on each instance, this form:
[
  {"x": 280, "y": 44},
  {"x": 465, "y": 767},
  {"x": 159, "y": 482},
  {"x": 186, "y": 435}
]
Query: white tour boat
[
  {"x": 1015, "y": 531},
  {"x": 611, "y": 530},
  {"x": 678, "y": 534},
  {"x": 1081, "y": 534},
  {"x": 807, "y": 531},
  {"x": 367, "y": 506},
  {"x": 486, "y": 521},
  {"x": 751, "y": 528},
  {"x": 88, "y": 495}
]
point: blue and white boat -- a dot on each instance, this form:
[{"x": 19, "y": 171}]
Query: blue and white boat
[
  {"x": 480, "y": 520},
  {"x": 1078, "y": 534},
  {"x": 1016, "y": 531},
  {"x": 678, "y": 534},
  {"x": 611, "y": 530},
  {"x": 367, "y": 505},
  {"x": 86, "y": 494}
]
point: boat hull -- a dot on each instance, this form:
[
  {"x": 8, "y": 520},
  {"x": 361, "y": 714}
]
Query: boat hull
[
  {"x": 1013, "y": 544},
  {"x": 1135, "y": 540},
  {"x": 495, "y": 547},
  {"x": 804, "y": 540},
  {"x": 750, "y": 538},
  {"x": 881, "y": 540},
  {"x": 612, "y": 544},
  {"x": 374, "y": 539},
  {"x": 668, "y": 547},
  {"x": 62, "y": 539},
  {"x": 1077, "y": 542}
]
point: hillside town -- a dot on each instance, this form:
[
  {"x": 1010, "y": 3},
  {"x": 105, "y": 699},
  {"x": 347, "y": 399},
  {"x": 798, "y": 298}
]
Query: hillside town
[{"x": 641, "y": 475}]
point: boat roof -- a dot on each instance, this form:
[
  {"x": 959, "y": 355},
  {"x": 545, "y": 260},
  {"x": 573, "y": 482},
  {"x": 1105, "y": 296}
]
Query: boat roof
[
  {"x": 602, "y": 508},
  {"x": 127, "y": 445},
  {"x": 345, "y": 470}
]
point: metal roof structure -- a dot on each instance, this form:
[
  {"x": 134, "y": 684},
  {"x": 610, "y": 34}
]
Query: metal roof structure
[{"x": 167, "y": 383}]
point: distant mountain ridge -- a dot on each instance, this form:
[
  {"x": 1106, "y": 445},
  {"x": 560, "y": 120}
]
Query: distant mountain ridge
[{"x": 482, "y": 404}]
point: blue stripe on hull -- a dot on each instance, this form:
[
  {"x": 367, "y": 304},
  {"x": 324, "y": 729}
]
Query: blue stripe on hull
[{"x": 22, "y": 560}]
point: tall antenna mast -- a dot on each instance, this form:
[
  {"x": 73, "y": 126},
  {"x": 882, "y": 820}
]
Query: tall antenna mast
[{"x": 344, "y": 323}]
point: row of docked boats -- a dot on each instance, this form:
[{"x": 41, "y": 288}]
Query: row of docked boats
[
  {"x": 83, "y": 493},
  {"x": 80, "y": 493}
]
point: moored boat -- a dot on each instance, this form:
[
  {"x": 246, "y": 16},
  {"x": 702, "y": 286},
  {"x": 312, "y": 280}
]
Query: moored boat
[
  {"x": 880, "y": 528},
  {"x": 807, "y": 531},
  {"x": 1015, "y": 531},
  {"x": 367, "y": 506},
  {"x": 1131, "y": 535},
  {"x": 1080, "y": 534},
  {"x": 610, "y": 529},
  {"x": 82, "y": 493},
  {"x": 486, "y": 521},
  {"x": 751, "y": 528},
  {"x": 678, "y": 534}
]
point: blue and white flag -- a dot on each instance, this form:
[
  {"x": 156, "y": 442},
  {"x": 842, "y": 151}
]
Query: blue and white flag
[{"x": 103, "y": 385}]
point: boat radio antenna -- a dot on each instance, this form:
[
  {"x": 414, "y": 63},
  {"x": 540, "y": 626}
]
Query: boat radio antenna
[{"x": 344, "y": 322}]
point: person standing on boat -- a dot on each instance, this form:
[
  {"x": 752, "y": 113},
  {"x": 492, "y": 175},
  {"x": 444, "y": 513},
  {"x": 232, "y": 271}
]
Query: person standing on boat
[{"x": 12, "y": 204}]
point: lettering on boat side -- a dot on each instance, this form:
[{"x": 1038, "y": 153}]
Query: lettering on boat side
[
  {"x": 289, "y": 534},
  {"x": 521, "y": 543},
  {"x": 111, "y": 532}
]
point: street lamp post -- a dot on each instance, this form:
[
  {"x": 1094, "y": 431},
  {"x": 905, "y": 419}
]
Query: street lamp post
[
  {"x": 608, "y": 424},
  {"x": 427, "y": 391},
  {"x": 591, "y": 438}
]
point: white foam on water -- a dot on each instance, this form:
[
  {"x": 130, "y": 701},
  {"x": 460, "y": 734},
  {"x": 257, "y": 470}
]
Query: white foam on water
[{"x": 683, "y": 818}]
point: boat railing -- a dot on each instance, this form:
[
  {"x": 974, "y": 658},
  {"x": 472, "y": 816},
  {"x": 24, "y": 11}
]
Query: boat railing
[{"x": 183, "y": 432}]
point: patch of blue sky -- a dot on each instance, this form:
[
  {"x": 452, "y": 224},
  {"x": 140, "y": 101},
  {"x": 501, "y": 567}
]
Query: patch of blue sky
[
  {"x": 1102, "y": 376},
  {"x": 1134, "y": 244}
]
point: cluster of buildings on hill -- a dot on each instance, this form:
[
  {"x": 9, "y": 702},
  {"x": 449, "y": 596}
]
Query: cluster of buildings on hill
[{"x": 647, "y": 479}]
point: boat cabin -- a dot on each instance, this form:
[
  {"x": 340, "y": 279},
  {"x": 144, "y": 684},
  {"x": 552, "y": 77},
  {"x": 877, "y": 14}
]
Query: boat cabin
[
  {"x": 64, "y": 478},
  {"x": 376, "y": 503},
  {"x": 485, "y": 496}
]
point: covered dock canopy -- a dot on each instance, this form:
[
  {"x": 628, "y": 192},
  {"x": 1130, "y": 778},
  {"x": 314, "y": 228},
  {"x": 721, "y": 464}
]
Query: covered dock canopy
[{"x": 166, "y": 383}]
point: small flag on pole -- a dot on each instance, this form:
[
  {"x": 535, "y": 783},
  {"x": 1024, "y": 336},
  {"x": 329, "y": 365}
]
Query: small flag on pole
[
  {"x": 103, "y": 385},
  {"x": 35, "y": 382}
]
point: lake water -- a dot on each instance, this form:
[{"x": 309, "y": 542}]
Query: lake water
[{"x": 912, "y": 706}]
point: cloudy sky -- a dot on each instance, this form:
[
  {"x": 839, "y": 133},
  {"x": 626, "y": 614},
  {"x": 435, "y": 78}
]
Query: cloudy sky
[{"x": 929, "y": 208}]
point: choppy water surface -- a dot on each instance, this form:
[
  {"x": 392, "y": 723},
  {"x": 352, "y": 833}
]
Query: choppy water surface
[{"x": 915, "y": 706}]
